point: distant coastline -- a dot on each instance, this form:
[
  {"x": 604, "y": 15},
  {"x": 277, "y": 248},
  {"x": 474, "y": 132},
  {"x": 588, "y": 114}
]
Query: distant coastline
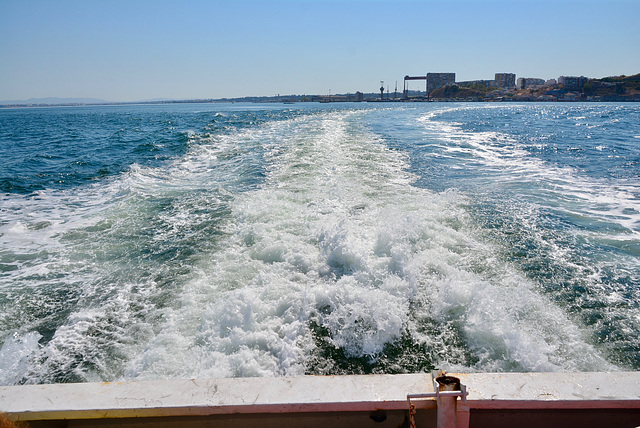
[{"x": 608, "y": 89}]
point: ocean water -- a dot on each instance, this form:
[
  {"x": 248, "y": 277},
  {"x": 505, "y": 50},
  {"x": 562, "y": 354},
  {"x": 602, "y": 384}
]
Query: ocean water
[{"x": 227, "y": 240}]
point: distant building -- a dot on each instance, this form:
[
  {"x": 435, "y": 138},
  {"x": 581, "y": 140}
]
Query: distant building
[
  {"x": 505, "y": 80},
  {"x": 571, "y": 96},
  {"x": 529, "y": 82},
  {"x": 357, "y": 97},
  {"x": 572, "y": 82},
  {"x": 501, "y": 81},
  {"x": 485, "y": 83},
  {"x": 439, "y": 80}
]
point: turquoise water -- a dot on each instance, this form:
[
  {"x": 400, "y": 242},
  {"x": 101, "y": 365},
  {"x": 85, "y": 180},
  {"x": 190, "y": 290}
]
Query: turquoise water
[{"x": 222, "y": 240}]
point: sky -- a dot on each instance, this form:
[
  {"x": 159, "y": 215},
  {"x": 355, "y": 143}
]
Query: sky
[{"x": 133, "y": 50}]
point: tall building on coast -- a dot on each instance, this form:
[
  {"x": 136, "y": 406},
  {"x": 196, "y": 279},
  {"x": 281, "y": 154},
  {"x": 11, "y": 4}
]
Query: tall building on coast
[
  {"x": 505, "y": 80},
  {"x": 439, "y": 80},
  {"x": 572, "y": 82},
  {"x": 530, "y": 83}
]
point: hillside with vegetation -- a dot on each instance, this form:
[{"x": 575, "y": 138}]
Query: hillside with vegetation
[
  {"x": 616, "y": 88},
  {"x": 613, "y": 86},
  {"x": 461, "y": 93}
]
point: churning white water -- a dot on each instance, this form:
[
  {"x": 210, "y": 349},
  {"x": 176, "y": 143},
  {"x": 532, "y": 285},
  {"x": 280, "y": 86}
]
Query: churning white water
[{"x": 301, "y": 243}]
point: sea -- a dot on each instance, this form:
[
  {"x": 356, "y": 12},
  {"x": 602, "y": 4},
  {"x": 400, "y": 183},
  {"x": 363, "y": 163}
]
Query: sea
[{"x": 175, "y": 241}]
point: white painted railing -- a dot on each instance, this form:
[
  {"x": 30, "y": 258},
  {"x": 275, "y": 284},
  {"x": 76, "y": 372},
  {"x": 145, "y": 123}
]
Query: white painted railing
[{"x": 381, "y": 400}]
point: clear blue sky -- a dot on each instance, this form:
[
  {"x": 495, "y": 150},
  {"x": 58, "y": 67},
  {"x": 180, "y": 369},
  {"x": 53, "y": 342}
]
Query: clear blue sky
[{"x": 126, "y": 50}]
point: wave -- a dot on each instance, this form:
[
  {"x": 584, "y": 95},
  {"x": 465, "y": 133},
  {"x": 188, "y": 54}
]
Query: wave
[{"x": 296, "y": 245}]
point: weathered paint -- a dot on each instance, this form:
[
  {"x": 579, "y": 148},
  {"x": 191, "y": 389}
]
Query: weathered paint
[
  {"x": 214, "y": 396},
  {"x": 320, "y": 399},
  {"x": 552, "y": 390}
]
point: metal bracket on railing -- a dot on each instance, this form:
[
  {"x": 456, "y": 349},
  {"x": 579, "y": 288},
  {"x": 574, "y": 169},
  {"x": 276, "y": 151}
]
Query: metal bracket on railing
[
  {"x": 437, "y": 394},
  {"x": 462, "y": 393}
]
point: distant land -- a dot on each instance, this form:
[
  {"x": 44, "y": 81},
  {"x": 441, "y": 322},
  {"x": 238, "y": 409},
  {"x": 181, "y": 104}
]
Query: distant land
[
  {"x": 54, "y": 101},
  {"x": 615, "y": 88}
]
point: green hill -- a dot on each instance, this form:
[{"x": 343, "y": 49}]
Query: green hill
[{"x": 621, "y": 86}]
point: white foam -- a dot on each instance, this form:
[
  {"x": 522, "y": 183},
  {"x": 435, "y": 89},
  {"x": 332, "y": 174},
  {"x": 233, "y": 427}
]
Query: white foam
[
  {"x": 604, "y": 214},
  {"x": 501, "y": 154},
  {"x": 338, "y": 236},
  {"x": 15, "y": 356}
]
